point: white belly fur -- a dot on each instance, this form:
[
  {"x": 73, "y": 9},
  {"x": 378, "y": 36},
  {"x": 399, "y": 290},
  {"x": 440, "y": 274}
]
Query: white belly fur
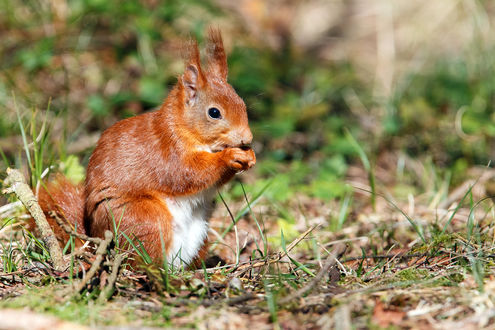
[{"x": 190, "y": 225}]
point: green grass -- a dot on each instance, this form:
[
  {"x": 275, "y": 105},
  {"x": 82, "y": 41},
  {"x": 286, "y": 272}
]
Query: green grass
[
  {"x": 470, "y": 261},
  {"x": 47, "y": 299},
  {"x": 376, "y": 171}
]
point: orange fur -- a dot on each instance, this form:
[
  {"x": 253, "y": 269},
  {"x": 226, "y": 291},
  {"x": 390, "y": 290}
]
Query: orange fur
[
  {"x": 141, "y": 162},
  {"x": 67, "y": 201}
]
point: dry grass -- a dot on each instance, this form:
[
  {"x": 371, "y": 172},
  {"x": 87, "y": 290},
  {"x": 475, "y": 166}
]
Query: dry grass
[{"x": 386, "y": 276}]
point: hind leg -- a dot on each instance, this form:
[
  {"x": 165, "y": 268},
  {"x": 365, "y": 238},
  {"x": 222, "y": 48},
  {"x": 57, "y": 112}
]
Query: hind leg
[{"x": 143, "y": 218}]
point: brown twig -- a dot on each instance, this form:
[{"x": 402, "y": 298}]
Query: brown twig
[
  {"x": 387, "y": 256},
  {"x": 229, "y": 301},
  {"x": 100, "y": 252},
  {"x": 211, "y": 302},
  {"x": 331, "y": 260},
  {"x": 16, "y": 183},
  {"x": 278, "y": 256},
  {"x": 107, "y": 292},
  {"x": 71, "y": 231},
  {"x": 300, "y": 238}
]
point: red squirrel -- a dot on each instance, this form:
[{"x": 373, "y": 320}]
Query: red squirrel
[{"x": 155, "y": 175}]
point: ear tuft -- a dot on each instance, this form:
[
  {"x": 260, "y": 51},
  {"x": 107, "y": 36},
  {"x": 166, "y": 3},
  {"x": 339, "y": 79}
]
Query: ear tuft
[
  {"x": 193, "y": 78},
  {"x": 217, "y": 60}
]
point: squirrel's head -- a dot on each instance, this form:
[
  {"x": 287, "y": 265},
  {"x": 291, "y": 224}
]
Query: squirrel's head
[{"x": 212, "y": 111}]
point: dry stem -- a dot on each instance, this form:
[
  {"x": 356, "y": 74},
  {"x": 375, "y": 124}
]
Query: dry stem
[
  {"x": 100, "y": 252},
  {"x": 331, "y": 260},
  {"x": 16, "y": 183},
  {"x": 279, "y": 256},
  {"x": 107, "y": 292},
  {"x": 71, "y": 231}
]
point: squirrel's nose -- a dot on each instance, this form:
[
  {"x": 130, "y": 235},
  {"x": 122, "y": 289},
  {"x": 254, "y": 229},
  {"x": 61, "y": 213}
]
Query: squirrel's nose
[{"x": 246, "y": 137}]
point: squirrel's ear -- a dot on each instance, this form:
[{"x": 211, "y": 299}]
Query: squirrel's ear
[
  {"x": 193, "y": 77},
  {"x": 217, "y": 60},
  {"x": 190, "y": 82}
]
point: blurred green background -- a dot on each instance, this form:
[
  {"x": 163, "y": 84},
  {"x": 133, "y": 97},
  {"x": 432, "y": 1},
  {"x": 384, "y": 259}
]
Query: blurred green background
[{"x": 405, "y": 79}]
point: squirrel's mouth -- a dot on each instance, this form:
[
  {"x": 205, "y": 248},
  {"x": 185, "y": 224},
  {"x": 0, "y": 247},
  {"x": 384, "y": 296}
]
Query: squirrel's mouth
[
  {"x": 219, "y": 148},
  {"x": 245, "y": 147}
]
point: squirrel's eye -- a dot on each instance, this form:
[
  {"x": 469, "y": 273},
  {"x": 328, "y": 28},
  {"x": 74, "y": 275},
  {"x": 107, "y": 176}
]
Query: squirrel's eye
[{"x": 214, "y": 113}]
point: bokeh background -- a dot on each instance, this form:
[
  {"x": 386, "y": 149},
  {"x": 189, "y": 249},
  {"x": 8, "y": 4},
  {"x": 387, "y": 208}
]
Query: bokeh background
[
  {"x": 374, "y": 126},
  {"x": 406, "y": 80}
]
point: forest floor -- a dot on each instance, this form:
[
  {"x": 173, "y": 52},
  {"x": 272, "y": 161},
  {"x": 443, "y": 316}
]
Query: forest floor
[{"x": 420, "y": 262}]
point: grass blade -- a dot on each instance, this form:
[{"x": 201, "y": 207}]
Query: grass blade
[
  {"x": 246, "y": 209},
  {"x": 366, "y": 164}
]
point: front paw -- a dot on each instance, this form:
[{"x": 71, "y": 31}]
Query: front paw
[{"x": 240, "y": 159}]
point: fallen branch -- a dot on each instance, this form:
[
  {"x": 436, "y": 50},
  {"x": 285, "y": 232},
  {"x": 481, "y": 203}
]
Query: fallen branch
[
  {"x": 107, "y": 292},
  {"x": 100, "y": 252},
  {"x": 16, "y": 183},
  {"x": 71, "y": 231}
]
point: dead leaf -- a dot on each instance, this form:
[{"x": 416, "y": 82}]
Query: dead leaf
[{"x": 385, "y": 317}]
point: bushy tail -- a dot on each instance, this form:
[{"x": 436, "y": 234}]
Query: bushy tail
[{"x": 66, "y": 200}]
